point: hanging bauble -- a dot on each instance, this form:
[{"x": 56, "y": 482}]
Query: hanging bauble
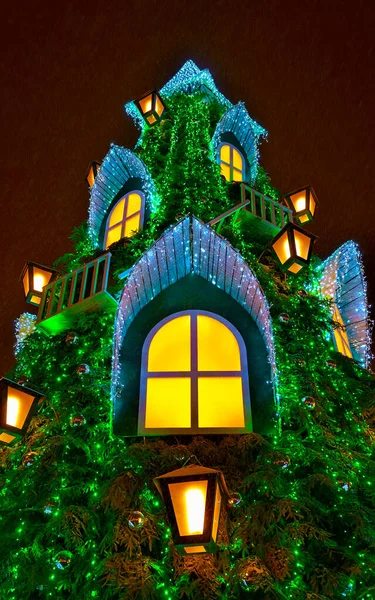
[
  {"x": 284, "y": 318},
  {"x": 83, "y": 369},
  {"x": 283, "y": 462},
  {"x": 136, "y": 520},
  {"x": 331, "y": 364},
  {"x": 29, "y": 459},
  {"x": 345, "y": 485},
  {"x": 252, "y": 574},
  {"x": 71, "y": 338},
  {"x": 309, "y": 402},
  {"x": 77, "y": 421},
  {"x": 49, "y": 507},
  {"x": 299, "y": 361},
  {"x": 63, "y": 559},
  {"x": 302, "y": 293},
  {"x": 22, "y": 380},
  {"x": 234, "y": 500}
]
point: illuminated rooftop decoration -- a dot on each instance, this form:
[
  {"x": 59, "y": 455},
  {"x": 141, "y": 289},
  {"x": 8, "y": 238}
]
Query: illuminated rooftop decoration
[
  {"x": 188, "y": 80},
  {"x": 247, "y": 132},
  {"x": 342, "y": 279},
  {"x": 118, "y": 166},
  {"x": 190, "y": 247}
]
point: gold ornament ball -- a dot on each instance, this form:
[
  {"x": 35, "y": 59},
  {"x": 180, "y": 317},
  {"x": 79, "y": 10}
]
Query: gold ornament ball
[
  {"x": 136, "y": 519},
  {"x": 77, "y": 421},
  {"x": 29, "y": 459}
]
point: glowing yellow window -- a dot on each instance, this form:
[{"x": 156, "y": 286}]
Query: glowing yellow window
[
  {"x": 125, "y": 219},
  {"x": 340, "y": 335},
  {"x": 232, "y": 163},
  {"x": 194, "y": 377}
]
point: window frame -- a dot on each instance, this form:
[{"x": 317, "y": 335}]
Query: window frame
[
  {"x": 340, "y": 332},
  {"x": 193, "y": 375},
  {"x": 230, "y": 164},
  {"x": 141, "y": 212}
]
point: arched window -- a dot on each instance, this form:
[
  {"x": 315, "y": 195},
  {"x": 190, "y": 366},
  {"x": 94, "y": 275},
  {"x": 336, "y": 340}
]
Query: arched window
[
  {"x": 232, "y": 163},
  {"x": 340, "y": 335},
  {"x": 125, "y": 218},
  {"x": 194, "y": 377}
]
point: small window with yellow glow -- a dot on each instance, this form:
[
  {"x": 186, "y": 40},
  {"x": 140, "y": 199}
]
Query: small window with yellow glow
[
  {"x": 125, "y": 219},
  {"x": 340, "y": 335},
  {"x": 232, "y": 164},
  {"x": 194, "y": 377}
]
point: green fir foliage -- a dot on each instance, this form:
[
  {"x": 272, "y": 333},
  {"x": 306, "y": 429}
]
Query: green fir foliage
[{"x": 305, "y": 529}]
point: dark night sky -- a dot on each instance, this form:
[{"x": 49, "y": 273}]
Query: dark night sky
[{"x": 304, "y": 69}]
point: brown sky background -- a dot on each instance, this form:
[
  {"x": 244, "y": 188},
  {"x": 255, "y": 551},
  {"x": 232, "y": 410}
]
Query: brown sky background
[{"x": 304, "y": 69}]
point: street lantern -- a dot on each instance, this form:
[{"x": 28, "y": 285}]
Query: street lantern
[
  {"x": 151, "y": 107},
  {"x": 193, "y": 497},
  {"x": 92, "y": 173},
  {"x": 292, "y": 248},
  {"x": 34, "y": 277},
  {"x": 17, "y": 405},
  {"x": 303, "y": 203}
]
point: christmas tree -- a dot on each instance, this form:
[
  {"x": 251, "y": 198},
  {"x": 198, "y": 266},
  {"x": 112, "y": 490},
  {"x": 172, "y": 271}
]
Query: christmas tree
[{"x": 191, "y": 413}]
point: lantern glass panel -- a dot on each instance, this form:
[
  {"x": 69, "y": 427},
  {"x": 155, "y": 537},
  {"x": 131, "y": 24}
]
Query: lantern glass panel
[
  {"x": 218, "y": 348},
  {"x": 170, "y": 347},
  {"x": 312, "y": 204},
  {"x": 189, "y": 505},
  {"x": 216, "y": 513},
  {"x": 168, "y": 402},
  {"x": 25, "y": 282},
  {"x": 6, "y": 438},
  {"x": 40, "y": 279},
  {"x": 194, "y": 549},
  {"x": 159, "y": 107},
  {"x": 215, "y": 391},
  {"x": 303, "y": 218},
  {"x": 91, "y": 176},
  {"x": 18, "y": 407},
  {"x": 146, "y": 104},
  {"x": 151, "y": 119},
  {"x": 282, "y": 248},
  {"x": 302, "y": 244},
  {"x": 299, "y": 201},
  {"x": 295, "y": 268}
]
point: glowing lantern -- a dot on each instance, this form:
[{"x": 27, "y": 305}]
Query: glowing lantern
[
  {"x": 151, "y": 107},
  {"x": 34, "y": 277},
  {"x": 293, "y": 247},
  {"x": 303, "y": 203},
  {"x": 17, "y": 406},
  {"x": 92, "y": 173},
  {"x": 193, "y": 497}
]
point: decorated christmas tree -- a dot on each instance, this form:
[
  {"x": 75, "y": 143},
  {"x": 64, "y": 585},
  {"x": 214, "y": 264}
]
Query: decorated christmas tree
[{"x": 191, "y": 414}]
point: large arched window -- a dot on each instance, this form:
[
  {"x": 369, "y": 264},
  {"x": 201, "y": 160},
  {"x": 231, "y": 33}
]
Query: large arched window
[
  {"x": 125, "y": 218},
  {"x": 340, "y": 335},
  {"x": 232, "y": 163},
  {"x": 194, "y": 377}
]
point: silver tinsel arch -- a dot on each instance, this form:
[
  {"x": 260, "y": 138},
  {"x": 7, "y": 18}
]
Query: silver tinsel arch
[
  {"x": 119, "y": 165},
  {"x": 343, "y": 280},
  {"x": 190, "y": 247}
]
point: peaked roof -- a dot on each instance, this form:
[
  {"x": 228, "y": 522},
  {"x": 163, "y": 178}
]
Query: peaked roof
[
  {"x": 189, "y": 79},
  {"x": 342, "y": 279}
]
